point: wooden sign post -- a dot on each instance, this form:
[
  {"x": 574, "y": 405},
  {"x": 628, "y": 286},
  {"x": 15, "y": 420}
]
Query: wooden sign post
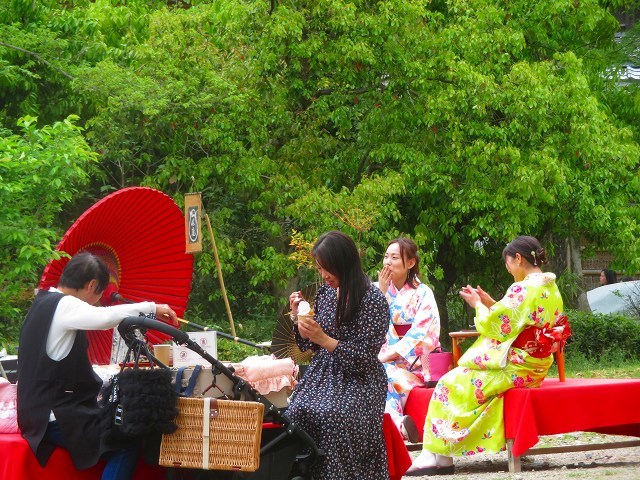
[
  {"x": 193, "y": 214},
  {"x": 224, "y": 290},
  {"x": 192, "y": 222}
]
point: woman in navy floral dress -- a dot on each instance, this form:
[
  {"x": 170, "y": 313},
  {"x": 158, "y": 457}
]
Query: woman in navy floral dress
[{"x": 340, "y": 400}]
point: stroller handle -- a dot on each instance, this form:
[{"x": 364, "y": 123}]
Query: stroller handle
[{"x": 130, "y": 323}]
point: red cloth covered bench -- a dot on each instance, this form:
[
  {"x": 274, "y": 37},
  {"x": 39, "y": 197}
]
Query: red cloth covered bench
[
  {"x": 595, "y": 405},
  {"x": 17, "y": 462}
]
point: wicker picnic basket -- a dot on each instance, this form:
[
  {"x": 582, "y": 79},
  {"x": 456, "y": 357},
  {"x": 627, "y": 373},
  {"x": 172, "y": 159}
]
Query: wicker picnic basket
[{"x": 214, "y": 435}]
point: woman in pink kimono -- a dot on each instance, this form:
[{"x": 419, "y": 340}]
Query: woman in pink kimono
[
  {"x": 517, "y": 337},
  {"x": 414, "y": 329}
]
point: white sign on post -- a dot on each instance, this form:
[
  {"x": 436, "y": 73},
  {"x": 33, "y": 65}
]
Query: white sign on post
[{"x": 185, "y": 357}]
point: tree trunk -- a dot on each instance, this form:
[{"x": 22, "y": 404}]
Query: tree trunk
[
  {"x": 574, "y": 263},
  {"x": 441, "y": 290},
  {"x": 567, "y": 262}
]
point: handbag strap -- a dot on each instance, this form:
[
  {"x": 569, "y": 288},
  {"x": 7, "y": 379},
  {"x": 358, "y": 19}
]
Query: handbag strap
[
  {"x": 125, "y": 360},
  {"x": 179, "y": 375},
  {"x": 435, "y": 350}
]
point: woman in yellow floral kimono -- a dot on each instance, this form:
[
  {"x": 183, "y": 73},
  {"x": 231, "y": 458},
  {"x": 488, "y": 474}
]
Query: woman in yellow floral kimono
[{"x": 465, "y": 414}]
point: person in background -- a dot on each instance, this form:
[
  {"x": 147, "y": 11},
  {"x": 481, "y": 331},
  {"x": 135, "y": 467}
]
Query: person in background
[
  {"x": 339, "y": 401},
  {"x": 465, "y": 415},
  {"x": 414, "y": 329},
  {"x": 608, "y": 277},
  {"x": 57, "y": 387}
]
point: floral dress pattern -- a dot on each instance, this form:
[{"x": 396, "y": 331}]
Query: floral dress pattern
[
  {"x": 465, "y": 414},
  {"x": 414, "y": 307},
  {"x": 339, "y": 401}
]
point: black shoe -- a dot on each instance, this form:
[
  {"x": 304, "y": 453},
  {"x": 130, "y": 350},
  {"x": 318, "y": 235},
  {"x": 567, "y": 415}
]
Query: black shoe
[{"x": 408, "y": 428}]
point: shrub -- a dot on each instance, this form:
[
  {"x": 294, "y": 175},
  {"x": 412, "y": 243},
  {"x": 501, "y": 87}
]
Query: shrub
[{"x": 596, "y": 336}]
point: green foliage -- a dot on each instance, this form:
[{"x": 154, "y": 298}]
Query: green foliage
[
  {"x": 46, "y": 44},
  {"x": 41, "y": 171},
  {"x": 461, "y": 124},
  {"x": 599, "y": 344},
  {"x": 571, "y": 286},
  {"x": 601, "y": 337}
]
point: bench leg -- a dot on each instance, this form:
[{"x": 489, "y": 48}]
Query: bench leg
[
  {"x": 455, "y": 351},
  {"x": 514, "y": 462}
]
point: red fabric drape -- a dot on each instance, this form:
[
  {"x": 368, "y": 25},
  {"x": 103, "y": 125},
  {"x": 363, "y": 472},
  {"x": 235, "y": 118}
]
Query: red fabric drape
[
  {"x": 397, "y": 454},
  {"x": 417, "y": 405},
  {"x": 578, "y": 404},
  {"x": 17, "y": 462}
]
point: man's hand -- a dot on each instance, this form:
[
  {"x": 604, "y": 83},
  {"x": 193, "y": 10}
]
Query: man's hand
[{"x": 166, "y": 314}]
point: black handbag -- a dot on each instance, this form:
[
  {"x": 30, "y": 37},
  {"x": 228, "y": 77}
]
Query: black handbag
[{"x": 139, "y": 402}]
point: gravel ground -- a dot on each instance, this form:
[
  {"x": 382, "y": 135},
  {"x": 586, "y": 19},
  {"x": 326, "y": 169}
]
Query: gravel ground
[{"x": 620, "y": 463}]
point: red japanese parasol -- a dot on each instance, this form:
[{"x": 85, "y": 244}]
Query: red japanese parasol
[{"x": 139, "y": 232}]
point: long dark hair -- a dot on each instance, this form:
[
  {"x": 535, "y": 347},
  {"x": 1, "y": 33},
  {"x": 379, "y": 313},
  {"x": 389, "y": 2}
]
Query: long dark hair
[
  {"x": 529, "y": 248},
  {"x": 337, "y": 253},
  {"x": 610, "y": 276},
  {"x": 83, "y": 268},
  {"x": 408, "y": 251}
]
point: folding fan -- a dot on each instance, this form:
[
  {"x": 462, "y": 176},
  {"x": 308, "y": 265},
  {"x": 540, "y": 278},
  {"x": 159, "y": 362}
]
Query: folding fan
[{"x": 283, "y": 342}]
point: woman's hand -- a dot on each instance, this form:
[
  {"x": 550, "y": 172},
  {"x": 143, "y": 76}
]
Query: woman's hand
[
  {"x": 311, "y": 330},
  {"x": 471, "y": 296},
  {"x": 388, "y": 357},
  {"x": 294, "y": 300},
  {"x": 384, "y": 279},
  {"x": 485, "y": 298},
  {"x": 166, "y": 314}
]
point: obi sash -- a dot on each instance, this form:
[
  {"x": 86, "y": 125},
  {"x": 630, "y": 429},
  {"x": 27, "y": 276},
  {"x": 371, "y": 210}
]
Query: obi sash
[
  {"x": 540, "y": 342},
  {"x": 402, "y": 330}
]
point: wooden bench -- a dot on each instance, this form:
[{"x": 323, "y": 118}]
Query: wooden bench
[
  {"x": 17, "y": 462},
  {"x": 598, "y": 405},
  {"x": 595, "y": 405}
]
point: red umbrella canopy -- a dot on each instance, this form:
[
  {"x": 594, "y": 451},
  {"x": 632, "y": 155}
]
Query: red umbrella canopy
[{"x": 139, "y": 232}]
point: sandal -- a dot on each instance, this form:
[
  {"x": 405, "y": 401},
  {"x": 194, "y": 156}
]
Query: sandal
[
  {"x": 429, "y": 471},
  {"x": 409, "y": 430}
]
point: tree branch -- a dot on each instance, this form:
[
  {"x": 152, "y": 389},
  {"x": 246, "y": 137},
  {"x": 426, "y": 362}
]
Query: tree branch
[
  {"x": 38, "y": 58},
  {"x": 329, "y": 91}
]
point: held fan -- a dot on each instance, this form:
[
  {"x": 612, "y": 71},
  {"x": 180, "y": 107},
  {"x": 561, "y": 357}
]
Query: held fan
[{"x": 283, "y": 343}]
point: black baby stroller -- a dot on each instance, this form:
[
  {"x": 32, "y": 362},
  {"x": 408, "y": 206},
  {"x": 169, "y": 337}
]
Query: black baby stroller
[{"x": 286, "y": 451}]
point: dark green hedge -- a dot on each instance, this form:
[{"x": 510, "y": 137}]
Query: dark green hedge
[{"x": 596, "y": 336}]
